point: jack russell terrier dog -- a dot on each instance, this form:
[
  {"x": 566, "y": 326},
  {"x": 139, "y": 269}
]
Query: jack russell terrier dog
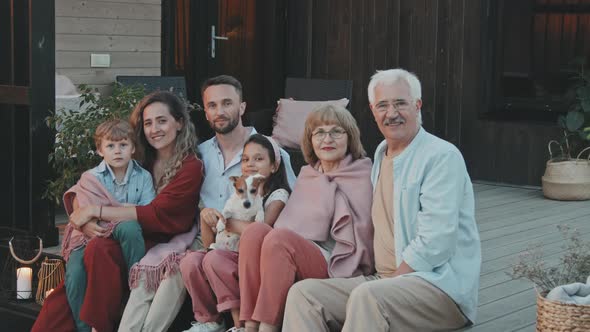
[{"x": 244, "y": 204}]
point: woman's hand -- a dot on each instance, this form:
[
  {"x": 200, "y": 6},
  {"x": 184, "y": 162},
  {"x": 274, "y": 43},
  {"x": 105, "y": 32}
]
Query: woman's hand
[
  {"x": 93, "y": 229},
  {"x": 210, "y": 216},
  {"x": 83, "y": 215},
  {"x": 236, "y": 225}
]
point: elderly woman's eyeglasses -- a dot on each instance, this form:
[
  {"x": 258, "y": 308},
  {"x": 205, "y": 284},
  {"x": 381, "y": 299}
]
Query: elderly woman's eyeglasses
[
  {"x": 398, "y": 105},
  {"x": 334, "y": 133}
]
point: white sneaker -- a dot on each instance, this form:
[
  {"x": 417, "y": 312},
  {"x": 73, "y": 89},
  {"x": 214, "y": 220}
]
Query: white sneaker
[
  {"x": 236, "y": 329},
  {"x": 206, "y": 327}
]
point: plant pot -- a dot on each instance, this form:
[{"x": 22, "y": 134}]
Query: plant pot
[{"x": 567, "y": 180}]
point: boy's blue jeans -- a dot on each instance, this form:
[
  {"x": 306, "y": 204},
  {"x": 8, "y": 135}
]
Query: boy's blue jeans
[{"x": 128, "y": 234}]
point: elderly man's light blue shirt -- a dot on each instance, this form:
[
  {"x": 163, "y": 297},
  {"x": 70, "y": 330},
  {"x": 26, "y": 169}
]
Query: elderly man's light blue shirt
[
  {"x": 217, "y": 187},
  {"x": 137, "y": 187},
  {"x": 435, "y": 231}
]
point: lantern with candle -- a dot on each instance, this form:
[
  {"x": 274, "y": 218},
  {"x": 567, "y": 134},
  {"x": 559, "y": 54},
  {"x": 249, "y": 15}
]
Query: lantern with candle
[
  {"x": 18, "y": 277},
  {"x": 51, "y": 275}
]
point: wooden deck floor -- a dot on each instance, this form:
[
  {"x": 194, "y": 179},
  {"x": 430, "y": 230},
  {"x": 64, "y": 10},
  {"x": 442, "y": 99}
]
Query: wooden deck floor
[{"x": 509, "y": 220}]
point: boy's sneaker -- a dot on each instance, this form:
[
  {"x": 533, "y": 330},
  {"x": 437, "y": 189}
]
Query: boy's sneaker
[{"x": 206, "y": 327}]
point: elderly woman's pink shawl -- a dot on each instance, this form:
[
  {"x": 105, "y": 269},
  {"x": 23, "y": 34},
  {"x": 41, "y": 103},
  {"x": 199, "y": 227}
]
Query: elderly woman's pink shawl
[
  {"x": 88, "y": 191},
  {"x": 336, "y": 204}
]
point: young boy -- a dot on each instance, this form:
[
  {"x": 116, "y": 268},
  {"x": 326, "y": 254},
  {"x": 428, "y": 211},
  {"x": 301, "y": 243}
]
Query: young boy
[{"x": 117, "y": 180}]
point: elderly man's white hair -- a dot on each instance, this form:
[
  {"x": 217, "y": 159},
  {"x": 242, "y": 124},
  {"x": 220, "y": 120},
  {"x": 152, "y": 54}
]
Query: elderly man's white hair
[{"x": 389, "y": 77}]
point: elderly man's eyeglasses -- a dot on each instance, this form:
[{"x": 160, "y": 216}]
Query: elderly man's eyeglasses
[
  {"x": 334, "y": 133},
  {"x": 398, "y": 105}
]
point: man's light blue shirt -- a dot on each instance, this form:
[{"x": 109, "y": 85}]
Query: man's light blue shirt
[
  {"x": 435, "y": 231},
  {"x": 217, "y": 186},
  {"x": 137, "y": 187}
]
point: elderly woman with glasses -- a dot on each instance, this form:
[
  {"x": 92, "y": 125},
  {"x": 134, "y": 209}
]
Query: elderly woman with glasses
[{"x": 325, "y": 229}]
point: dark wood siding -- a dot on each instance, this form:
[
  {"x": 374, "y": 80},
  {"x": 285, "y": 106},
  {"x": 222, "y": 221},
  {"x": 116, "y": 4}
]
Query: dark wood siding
[
  {"x": 27, "y": 95},
  {"x": 440, "y": 41}
]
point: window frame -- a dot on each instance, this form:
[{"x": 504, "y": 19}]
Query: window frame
[{"x": 494, "y": 104}]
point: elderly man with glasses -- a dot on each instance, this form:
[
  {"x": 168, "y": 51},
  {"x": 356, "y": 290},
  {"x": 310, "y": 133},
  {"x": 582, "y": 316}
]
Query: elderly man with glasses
[{"x": 426, "y": 243}]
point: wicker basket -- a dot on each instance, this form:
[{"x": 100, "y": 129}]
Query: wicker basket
[
  {"x": 567, "y": 180},
  {"x": 558, "y": 316}
]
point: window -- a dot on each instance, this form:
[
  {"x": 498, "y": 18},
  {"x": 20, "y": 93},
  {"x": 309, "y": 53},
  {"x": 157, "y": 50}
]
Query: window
[{"x": 535, "y": 44}]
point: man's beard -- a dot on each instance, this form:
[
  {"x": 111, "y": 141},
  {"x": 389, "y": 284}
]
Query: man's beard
[{"x": 232, "y": 123}]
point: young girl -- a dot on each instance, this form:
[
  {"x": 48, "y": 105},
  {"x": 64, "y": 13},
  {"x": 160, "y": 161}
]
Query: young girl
[{"x": 211, "y": 278}]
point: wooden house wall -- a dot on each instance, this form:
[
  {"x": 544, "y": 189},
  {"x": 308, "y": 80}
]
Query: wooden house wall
[
  {"x": 128, "y": 30},
  {"x": 441, "y": 42}
]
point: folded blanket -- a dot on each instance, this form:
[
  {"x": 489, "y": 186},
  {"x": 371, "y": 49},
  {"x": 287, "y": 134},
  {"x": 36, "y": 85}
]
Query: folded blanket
[
  {"x": 335, "y": 205},
  {"x": 88, "y": 191},
  {"x": 576, "y": 293},
  {"x": 161, "y": 261}
]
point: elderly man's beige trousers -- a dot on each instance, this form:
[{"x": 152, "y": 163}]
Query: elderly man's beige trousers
[{"x": 368, "y": 303}]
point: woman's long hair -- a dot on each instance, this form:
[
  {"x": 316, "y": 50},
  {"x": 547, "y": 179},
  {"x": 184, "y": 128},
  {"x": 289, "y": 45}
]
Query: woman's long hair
[
  {"x": 278, "y": 179},
  {"x": 186, "y": 138}
]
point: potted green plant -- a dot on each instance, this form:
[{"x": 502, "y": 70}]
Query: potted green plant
[
  {"x": 576, "y": 122},
  {"x": 568, "y": 178},
  {"x": 74, "y": 150}
]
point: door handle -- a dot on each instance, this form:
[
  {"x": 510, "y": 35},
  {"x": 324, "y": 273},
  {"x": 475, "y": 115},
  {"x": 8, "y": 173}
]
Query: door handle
[{"x": 213, "y": 39}]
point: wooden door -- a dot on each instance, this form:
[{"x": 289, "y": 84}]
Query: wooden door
[{"x": 242, "y": 38}]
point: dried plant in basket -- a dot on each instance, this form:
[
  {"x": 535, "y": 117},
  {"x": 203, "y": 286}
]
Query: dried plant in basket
[{"x": 573, "y": 266}]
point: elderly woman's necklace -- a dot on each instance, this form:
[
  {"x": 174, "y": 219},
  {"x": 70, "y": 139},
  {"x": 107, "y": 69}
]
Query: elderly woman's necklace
[{"x": 320, "y": 169}]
